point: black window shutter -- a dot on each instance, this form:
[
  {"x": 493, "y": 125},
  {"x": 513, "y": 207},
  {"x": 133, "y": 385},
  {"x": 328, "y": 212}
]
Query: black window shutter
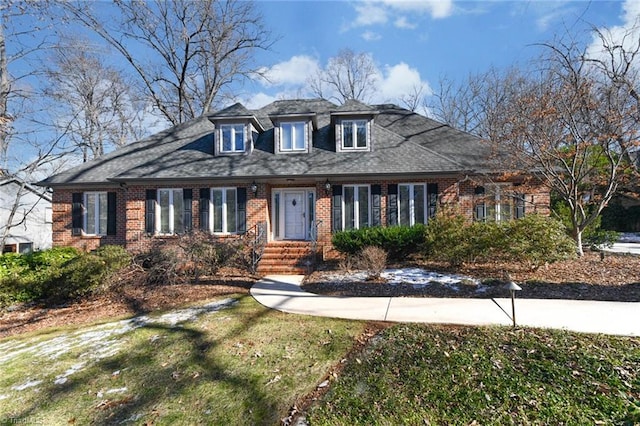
[
  {"x": 242, "y": 209},
  {"x": 336, "y": 208},
  {"x": 205, "y": 194},
  {"x": 392, "y": 204},
  {"x": 187, "y": 197},
  {"x": 376, "y": 219},
  {"x": 76, "y": 213},
  {"x": 150, "y": 212},
  {"x": 432, "y": 197},
  {"x": 520, "y": 206},
  {"x": 111, "y": 213}
]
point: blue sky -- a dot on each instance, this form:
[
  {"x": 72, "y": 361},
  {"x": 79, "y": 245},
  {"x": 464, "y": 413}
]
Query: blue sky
[{"x": 417, "y": 43}]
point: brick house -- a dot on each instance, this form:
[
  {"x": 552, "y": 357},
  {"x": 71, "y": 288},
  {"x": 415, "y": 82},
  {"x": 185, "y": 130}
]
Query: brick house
[{"x": 299, "y": 169}]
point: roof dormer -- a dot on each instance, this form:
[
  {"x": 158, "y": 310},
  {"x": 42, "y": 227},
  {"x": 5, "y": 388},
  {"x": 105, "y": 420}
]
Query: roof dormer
[
  {"x": 293, "y": 133},
  {"x": 353, "y": 124},
  {"x": 236, "y": 130}
]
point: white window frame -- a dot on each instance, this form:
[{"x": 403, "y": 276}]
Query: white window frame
[
  {"x": 225, "y": 221},
  {"x": 356, "y": 206},
  {"x": 293, "y": 124},
  {"x": 412, "y": 200},
  {"x": 493, "y": 203},
  {"x": 234, "y": 131},
  {"x": 98, "y": 210},
  {"x": 353, "y": 123},
  {"x": 172, "y": 213}
]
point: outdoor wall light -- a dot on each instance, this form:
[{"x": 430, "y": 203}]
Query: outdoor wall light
[
  {"x": 513, "y": 287},
  {"x": 254, "y": 187},
  {"x": 327, "y": 186}
]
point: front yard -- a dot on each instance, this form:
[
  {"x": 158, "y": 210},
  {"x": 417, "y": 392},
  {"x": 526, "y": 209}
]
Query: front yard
[{"x": 140, "y": 356}]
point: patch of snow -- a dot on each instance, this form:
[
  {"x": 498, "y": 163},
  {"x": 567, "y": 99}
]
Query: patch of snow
[
  {"x": 421, "y": 277},
  {"x": 98, "y": 342},
  {"x": 62, "y": 378},
  {"x": 27, "y": 384},
  {"x": 3, "y": 396},
  {"x": 417, "y": 277},
  {"x": 118, "y": 390},
  {"x": 133, "y": 418},
  {"x": 629, "y": 237}
]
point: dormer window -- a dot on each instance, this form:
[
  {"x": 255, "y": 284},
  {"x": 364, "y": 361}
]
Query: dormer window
[
  {"x": 354, "y": 134},
  {"x": 292, "y": 136},
  {"x": 232, "y": 138}
]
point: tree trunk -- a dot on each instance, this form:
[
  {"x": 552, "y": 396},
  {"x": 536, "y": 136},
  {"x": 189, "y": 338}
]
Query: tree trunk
[{"x": 577, "y": 236}]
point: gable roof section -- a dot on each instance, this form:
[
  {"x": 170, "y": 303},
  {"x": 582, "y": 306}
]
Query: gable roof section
[
  {"x": 42, "y": 193},
  {"x": 405, "y": 143}
]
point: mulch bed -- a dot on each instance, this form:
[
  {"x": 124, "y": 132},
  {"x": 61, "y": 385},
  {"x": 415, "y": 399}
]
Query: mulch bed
[
  {"x": 614, "y": 278},
  {"x": 126, "y": 300}
]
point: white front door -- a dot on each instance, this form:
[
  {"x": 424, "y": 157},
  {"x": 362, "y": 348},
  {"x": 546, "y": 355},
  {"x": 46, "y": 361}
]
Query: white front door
[{"x": 294, "y": 215}]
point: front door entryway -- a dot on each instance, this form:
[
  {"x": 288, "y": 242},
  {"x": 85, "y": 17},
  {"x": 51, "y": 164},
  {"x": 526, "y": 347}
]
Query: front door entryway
[{"x": 293, "y": 213}]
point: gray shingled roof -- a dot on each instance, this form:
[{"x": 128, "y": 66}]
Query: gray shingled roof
[{"x": 404, "y": 143}]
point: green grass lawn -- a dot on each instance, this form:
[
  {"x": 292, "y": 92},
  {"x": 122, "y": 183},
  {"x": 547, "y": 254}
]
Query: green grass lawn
[
  {"x": 416, "y": 375},
  {"x": 242, "y": 364}
]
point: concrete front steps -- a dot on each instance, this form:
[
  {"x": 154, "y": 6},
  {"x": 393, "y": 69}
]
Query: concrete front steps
[{"x": 286, "y": 258}]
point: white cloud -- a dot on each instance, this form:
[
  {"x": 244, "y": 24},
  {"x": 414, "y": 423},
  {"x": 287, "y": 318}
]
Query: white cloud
[
  {"x": 369, "y": 14},
  {"x": 371, "y": 36},
  {"x": 626, "y": 35},
  {"x": 391, "y": 83},
  {"x": 258, "y": 100},
  {"x": 291, "y": 72},
  {"x": 402, "y": 22},
  {"x": 397, "y": 81},
  {"x": 378, "y": 12}
]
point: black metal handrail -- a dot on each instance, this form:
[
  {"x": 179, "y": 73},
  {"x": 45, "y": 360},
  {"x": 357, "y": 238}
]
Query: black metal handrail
[
  {"x": 257, "y": 239},
  {"x": 313, "y": 237}
]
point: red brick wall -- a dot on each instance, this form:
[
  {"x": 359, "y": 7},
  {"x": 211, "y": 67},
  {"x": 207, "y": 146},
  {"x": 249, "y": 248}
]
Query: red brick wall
[{"x": 456, "y": 193}]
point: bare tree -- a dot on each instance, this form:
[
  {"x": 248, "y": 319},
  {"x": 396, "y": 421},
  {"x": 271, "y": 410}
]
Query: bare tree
[
  {"x": 414, "y": 99},
  {"x": 92, "y": 100},
  {"x": 348, "y": 75},
  {"x": 184, "y": 53},
  {"x": 575, "y": 127},
  {"x": 22, "y": 154},
  {"x": 478, "y": 104}
]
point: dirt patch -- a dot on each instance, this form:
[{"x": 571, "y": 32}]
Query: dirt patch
[
  {"x": 130, "y": 299},
  {"x": 614, "y": 278}
]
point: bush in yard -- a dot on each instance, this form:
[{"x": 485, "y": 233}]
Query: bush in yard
[
  {"x": 372, "y": 260},
  {"x": 398, "y": 241},
  {"x": 78, "y": 277},
  {"x": 115, "y": 257},
  {"x": 447, "y": 239},
  {"x": 161, "y": 264},
  {"x": 191, "y": 256},
  {"x": 537, "y": 240},
  {"x": 534, "y": 240},
  {"x": 58, "y": 274},
  {"x": 207, "y": 254}
]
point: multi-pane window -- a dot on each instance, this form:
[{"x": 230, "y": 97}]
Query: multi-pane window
[
  {"x": 292, "y": 136},
  {"x": 354, "y": 134},
  {"x": 224, "y": 210},
  {"x": 170, "y": 211},
  {"x": 95, "y": 217},
  {"x": 356, "y": 209},
  {"x": 232, "y": 138},
  {"x": 498, "y": 205},
  {"x": 411, "y": 204}
]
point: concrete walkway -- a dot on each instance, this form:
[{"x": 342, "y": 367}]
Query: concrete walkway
[{"x": 283, "y": 292}]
